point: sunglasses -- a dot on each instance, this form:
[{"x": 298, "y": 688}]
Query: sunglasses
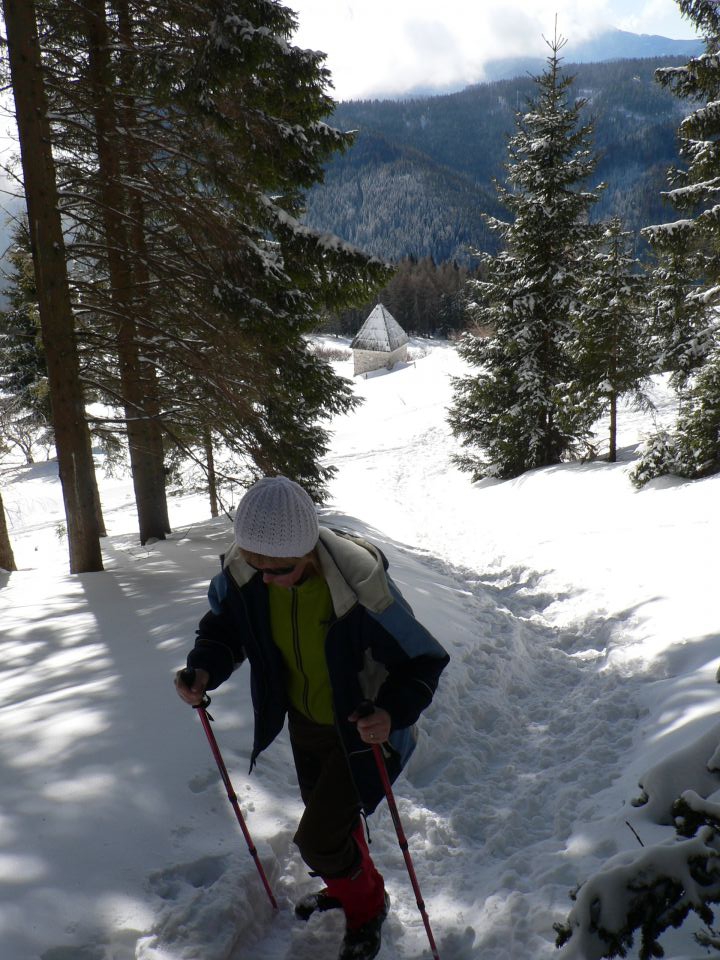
[{"x": 274, "y": 571}]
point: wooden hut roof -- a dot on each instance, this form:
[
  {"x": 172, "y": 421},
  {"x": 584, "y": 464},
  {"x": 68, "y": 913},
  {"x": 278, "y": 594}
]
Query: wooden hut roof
[{"x": 380, "y": 332}]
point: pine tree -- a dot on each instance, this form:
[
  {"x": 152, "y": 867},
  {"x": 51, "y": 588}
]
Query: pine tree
[
  {"x": 137, "y": 376},
  {"x": 612, "y": 350},
  {"x": 519, "y": 412},
  {"x": 72, "y": 438},
  {"x": 682, "y": 330},
  {"x": 692, "y": 448},
  {"x": 210, "y": 136},
  {"x": 25, "y": 403}
]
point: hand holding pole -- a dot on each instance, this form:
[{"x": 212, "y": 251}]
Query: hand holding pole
[{"x": 365, "y": 709}]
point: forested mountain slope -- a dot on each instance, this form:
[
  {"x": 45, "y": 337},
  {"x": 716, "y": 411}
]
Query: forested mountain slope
[{"x": 420, "y": 174}]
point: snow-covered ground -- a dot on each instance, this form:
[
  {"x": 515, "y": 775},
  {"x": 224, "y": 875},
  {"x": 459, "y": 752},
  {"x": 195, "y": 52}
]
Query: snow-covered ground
[{"x": 584, "y": 628}]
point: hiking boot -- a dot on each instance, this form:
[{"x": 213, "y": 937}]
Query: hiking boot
[
  {"x": 315, "y": 902},
  {"x": 364, "y": 943}
]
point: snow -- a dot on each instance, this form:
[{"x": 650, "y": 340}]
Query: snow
[
  {"x": 582, "y": 621},
  {"x": 668, "y": 229}
]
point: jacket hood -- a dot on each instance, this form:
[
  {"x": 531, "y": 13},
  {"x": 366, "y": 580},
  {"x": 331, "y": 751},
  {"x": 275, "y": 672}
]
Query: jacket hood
[{"x": 353, "y": 568}]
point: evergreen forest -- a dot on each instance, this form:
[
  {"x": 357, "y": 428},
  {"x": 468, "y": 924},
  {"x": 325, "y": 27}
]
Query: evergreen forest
[
  {"x": 172, "y": 291},
  {"x": 164, "y": 165}
]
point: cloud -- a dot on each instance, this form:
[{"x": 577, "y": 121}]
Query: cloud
[
  {"x": 386, "y": 47},
  {"x": 652, "y": 16}
]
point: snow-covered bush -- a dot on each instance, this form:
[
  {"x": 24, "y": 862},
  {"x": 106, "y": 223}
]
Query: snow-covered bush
[
  {"x": 658, "y": 457},
  {"x": 692, "y": 448},
  {"x": 650, "y": 892},
  {"x": 642, "y": 893},
  {"x": 329, "y": 353}
]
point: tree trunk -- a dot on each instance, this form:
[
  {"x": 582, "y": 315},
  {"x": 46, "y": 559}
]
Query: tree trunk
[
  {"x": 98, "y": 507},
  {"x": 613, "y": 365},
  {"x": 7, "y": 558},
  {"x": 612, "y": 456},
  {"x": 141, "y": 273},
  {"x": 212, "y": 478},
  {"x": 72, "y": 437},
  {"x": 148, "y": 476}
]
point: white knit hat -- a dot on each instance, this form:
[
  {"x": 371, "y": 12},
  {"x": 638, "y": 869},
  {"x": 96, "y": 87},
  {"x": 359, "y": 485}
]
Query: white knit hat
[{"x": 276, "y": 518}]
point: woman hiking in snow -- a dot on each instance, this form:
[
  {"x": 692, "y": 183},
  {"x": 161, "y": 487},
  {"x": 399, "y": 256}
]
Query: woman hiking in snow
[{"x": 326, "y": 632}]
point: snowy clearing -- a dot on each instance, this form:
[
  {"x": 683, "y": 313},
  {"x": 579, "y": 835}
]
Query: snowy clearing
[{"x": 581, "y": 619}]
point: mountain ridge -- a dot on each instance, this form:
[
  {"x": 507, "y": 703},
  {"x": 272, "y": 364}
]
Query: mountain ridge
[
  {"x": 604, "y": 47},
  {"x": 421, "y": 172}
]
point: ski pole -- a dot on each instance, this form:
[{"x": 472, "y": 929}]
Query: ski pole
[
  {"x": 364, "y": 710},
  {"x": 188, "y": 676}
]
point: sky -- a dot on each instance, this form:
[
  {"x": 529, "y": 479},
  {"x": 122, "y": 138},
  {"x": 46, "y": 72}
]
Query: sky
[{"x": 387, "y": 47}]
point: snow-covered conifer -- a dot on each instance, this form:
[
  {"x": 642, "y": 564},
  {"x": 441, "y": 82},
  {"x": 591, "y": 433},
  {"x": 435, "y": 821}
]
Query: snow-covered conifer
[
  {"x": 25, "y": 69},
  {"x": 691, "y": 448},
  {"x": 612, "y": 348},
  {"x": 519, "y": 411},
  {"x": 25, "y": 400},
  {"x": 682, "y": 329},
  {"x": 199, "y": 294},
  {"x": 690, "y": 327}
]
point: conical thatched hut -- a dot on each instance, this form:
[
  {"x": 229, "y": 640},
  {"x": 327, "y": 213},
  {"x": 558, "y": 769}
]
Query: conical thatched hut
[{"x": 380, "y": 342}]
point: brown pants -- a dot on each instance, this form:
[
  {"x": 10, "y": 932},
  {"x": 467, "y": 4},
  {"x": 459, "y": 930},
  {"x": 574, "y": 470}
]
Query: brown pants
[{"x": 332, "y": 804}]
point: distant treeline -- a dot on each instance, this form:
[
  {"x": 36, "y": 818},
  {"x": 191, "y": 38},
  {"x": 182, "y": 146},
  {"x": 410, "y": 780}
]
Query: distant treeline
[{"x": 426, "y": 299}]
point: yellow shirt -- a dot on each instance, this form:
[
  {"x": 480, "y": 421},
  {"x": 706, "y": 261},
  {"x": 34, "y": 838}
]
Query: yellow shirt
[{"x": 299, "y": 619}]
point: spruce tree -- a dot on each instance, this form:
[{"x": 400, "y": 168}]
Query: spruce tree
[
  {"x": 519, "y": 411},
  {"x": 683, "y": 328},
  {"x": 210, "y": 134},
  {"x": 692, "y": 447},
  {"x": 612, "y": 351},
  {"x": 72, "y": 438},
  {"x": 137, "y": 377},
  {"x": 25, "y": 403}
]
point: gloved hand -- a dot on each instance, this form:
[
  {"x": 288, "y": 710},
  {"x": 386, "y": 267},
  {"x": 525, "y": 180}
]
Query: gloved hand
[{"x": 191, "y": 685}]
